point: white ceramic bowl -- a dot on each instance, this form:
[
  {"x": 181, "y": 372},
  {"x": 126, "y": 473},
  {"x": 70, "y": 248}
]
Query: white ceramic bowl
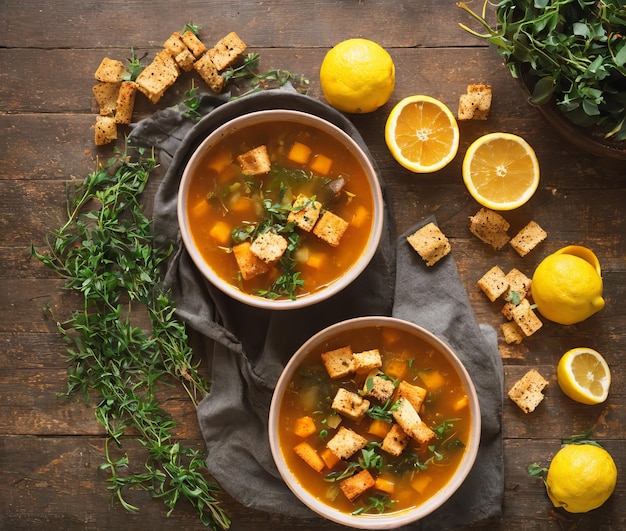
[
  {"x": 374, "y": 521},
  {"x": 278, "y": 115}
]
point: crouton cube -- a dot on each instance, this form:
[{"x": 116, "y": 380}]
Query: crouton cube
[
  {"x": 493, "y": 283},
  {"x": 226, "y": 50},
  {"x": 346, "y": 443},
  {"x": 350, "y": 404},
  {"x": 379, "y": 387},
  {"x": 175, "y": 44},
  {"x": 526, "y": 318},
  {"x": 321, "y": 164},
  {"x": 185, "y": 60},
  {"x": 507, "y": 309},
  {"x": 512, "y": 333},
  {"x": 527, "y": 392},
  {"x": 413, "y": 393},
  {"x": 528, "y": 238},
  {"x": 249, "y": 265},
  {"x": 125, "y": 102},
  {"x": 367, "y": 360},
  {"x": 110, "y": 71},
  {"x": 205, "y": 67},
  {"x": 490, "y": 227},
  {"x": 299, "y": 153},
  {"x": 158, "y": 76},
  {"x": 105, "y": 130},
  {"x": 395, "y": 441},
  {"x": 338, "y": 362},
  {"x": 305, "y": 426},
  {"x": 476, "y": 103},
  {"x": 195, "y": 45},
  {"x": 356, "y": 485},
  {"x": 430, "y": 243},
  {"x": 255, "y": 161},
  {"x": 105, "y": 95},
  {"x": 269, "y": 247},
  {"x": 308, "y": 454},
  {"x": 519, "y": 284},
  {"x": 305, "y": 212},
  {"x": 330, "y": 228},
  {"x": 410, "y": 422}
]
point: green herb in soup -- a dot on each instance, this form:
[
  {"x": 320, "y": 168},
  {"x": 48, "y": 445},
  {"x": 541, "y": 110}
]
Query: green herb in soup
[
  {"x": 280, "y": 210},
  {"x": 375, "y": 421}
]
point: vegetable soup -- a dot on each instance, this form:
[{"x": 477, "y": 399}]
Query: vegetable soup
[
  {"x": 374, "y": 420},
  {"x": 280, "y": 209}
]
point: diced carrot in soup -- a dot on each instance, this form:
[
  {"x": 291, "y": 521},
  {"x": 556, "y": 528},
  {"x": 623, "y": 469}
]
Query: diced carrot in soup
[
  {"x": 385, "y": 485},
  {"x": 201, "y": 208},
  {"x": 304, "y": 427},
  {"x": 461, "y": 403},
  {"x": 220, "y": 160},
  {"x": 242, "y": 204},
  {"x": 321, "y": 164},
  {"x": 316, "y": 260},
  {"x": 380, "y": 428},
  {"x": 433, "y": 380},
  {"x": 397, "y": 369},
  {"x": 360, "y": 217},
  {"x": 329, "y": 458},
  {"x": 220, "y": 231},
  {"x": 420, "y": 482},
  {"x": 299, "y": 153}
]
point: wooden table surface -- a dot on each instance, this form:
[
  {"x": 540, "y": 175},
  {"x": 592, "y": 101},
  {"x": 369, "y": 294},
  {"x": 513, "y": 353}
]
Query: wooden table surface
[{"x": 50, "y": 448}]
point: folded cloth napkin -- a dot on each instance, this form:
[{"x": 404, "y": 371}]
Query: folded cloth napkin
[{"x": 248, "y": 347}]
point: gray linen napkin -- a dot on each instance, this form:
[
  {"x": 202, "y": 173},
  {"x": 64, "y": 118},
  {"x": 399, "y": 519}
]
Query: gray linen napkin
[{"x": 248, "y": 347}]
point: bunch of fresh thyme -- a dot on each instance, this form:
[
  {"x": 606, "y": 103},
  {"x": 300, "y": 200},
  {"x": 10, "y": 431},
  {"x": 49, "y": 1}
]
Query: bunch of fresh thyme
[{"x": 107, "y": 255}]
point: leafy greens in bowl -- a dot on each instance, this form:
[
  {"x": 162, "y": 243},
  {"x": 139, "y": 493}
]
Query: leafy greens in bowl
[{"x": 570, "y": 53}]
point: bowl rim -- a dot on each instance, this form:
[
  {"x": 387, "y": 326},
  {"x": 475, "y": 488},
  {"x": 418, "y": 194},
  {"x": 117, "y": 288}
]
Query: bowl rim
[
  {"x": 291, "y": 115},
  {"x": 375, "y": 521}
]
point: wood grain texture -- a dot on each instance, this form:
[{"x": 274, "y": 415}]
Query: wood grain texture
[{"x": 51, "y": 447}]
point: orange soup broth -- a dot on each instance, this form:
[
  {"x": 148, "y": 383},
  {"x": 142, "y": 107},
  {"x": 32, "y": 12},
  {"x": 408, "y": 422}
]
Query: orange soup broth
[
  {"x": 220, "y": 169},
  {"x": 311, "y": 391}
]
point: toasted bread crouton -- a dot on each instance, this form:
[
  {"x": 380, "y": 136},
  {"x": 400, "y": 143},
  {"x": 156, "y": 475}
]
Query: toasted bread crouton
[
  {"x": 105, "y": 95},
  {"x": 195, "y": 45},
  {"x": 205, "y": 67},
  {"x": 526, "y": 318},
  {"x": 395, "y": 441},
  {"x": 330, "y": 228},
  {"x": 507, "y": 309},
  {"x": 105, "y": 130},
  {"x": 226, "y": 51},
  {"x": 527, "y": 391},
  {"x": 255, "y": 161},
  {"x": 528, "y": 238},
  {"x": 430, "y": 243},
  {"x": 356, "y": 485},
  {"x": 175, "y": 44},
  {"x": 378, "y": 387},
  {"x": 476, "y": 103},
  {"x": 413, "y": 393},
  {"x": 410, "y": 422},
  {"x": 346, "y": 443},
  {"x": 308, "y": 454},
  {"x": 185, "y": 60},
  {"x": 110, "y": 71},
  {"x": 338, "y": 362},
  {"x": 305, "y": 212},
  {"x": 519, "y": 284},
  {"x": 125, "y": 102},
  {"x": 367, "y": 360},
  {"x": 158, "y": 76},
  {"x": 490, "y": 227},
  {"x": 350, "y": 404},
  {"x": 249, "y": 265},
  {"x": 512, "y": 333},
  {"x": 269, "y": 247},
  {"x": 493, "y": 283}
]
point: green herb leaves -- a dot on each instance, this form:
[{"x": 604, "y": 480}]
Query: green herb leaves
[
  {"x": 107, "y": 255},
  {"x": 573, "y": 51}
]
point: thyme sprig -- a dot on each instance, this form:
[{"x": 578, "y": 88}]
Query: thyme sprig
[{"x": 107, "y": 255}]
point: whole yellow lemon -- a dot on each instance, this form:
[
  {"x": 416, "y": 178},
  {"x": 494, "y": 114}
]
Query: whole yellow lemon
[
  {"x": 581, "y": 477},
  {"x": 357, "y": 76},
  {"x": 567, "y": 286}
]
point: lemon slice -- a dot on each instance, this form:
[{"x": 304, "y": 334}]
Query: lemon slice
[
  {"x": 501, "y": 171},
  {"x": 584, "y": 376},
  {"x": 422, "y": 134}
]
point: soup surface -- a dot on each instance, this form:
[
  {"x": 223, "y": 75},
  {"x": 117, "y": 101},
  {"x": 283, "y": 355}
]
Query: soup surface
[
  {"x": 383, "y": 434},
  {"x": 295, "y": 191}
]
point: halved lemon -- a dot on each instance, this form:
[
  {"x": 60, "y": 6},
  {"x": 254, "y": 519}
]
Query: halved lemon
[
  {"x": 584, "y": 375},
  {"x": 501, "y": 171},
  {"x": 422, "y": 134}
]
